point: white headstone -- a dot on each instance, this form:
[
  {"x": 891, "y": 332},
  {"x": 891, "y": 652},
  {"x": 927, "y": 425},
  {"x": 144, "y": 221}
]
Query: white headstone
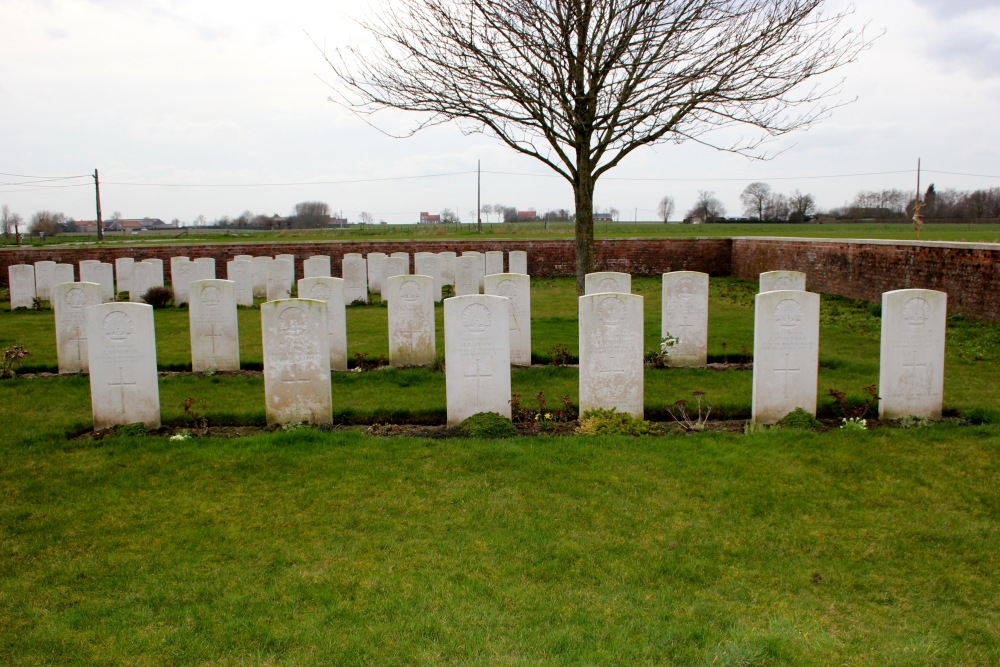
[
  {"x": 123, "y": 274},
  {"x": 22, "y": 285},
  {"x": 45, "y": 273},
  {"x": 405, "y": 256},
  {"x": 205, "y": 268},
  {"x": 785, "y": 354},
  {"x": 215, "y": 337},
  {"x": 240, "y": 271},
  {"x": 63, "y": 273},
  {"x": 685, "y": 316},
  {"x": 607, "y": 281},
  {"x": 261, "y": 270},
  {"x": 517, "y": 288},
  {"x": 355, "y": 272},
  {"x": 772, "y": 281},
  {"x": 296, "y": 362},
  {"x": 494, "y": 262},
  {"x": 331, "y": 292},
  {"x": 317, "y": 266},
  {"x": 102, "y": 273},
  {"x": 479, "y": 267},
  {"x": 143, "y": 278},
  {"x": 429, "y": 264},
  {"x": 182, "y": 272},
  {"x": 911, "y": 379},
  {"x": 611, "y": 353},
  {"x": 244, "y": 258},
  {"x": 69, "y": 304},
  {"x": 121, "y": 345},
  {"x": 376, "y": 268},
  {"x": 394, "y": 266},
  {"x": 517, "y": 261},
  {"x": 477, "y": 356},
  {"x": 280, "y": 276},
  {"x": 411, "y": 320},
  {"x": 448, "y": 266},
  {"x": 157, "y": 265},
  {"x": 467, "y": 275}
]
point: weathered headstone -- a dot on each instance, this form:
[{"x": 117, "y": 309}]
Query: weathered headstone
[
  {"x": 405, "y": 256},
  {"x": 494, "y": 262},
  {"x": 411, "y": 320},
  {"x": 376, "y": 269},
  {"x": 785, "y": 354},
  {"x": 467, "y": 275},
  {"x": 517, "y": 262},
  {"x": 280, "y": 275},
  {"x": 331, "y": 292},
  {"x": 771, "y": 281},
  {"x": 261, "y": 270},
  {"x": 45, "y": 271},
  {"x": 685, "y": 316},
  {"x": 317, "y": 266},
  {"x": 102, "y": 273},
  {"x": 240, "y": 271},
  {"x": 215, "y": 338},
  {"x": 479, "y": 266},
  {"x": 448, "y": 265},
  {"x": 22, "y": 285},
  {"x": 123, "y": 274},
  {"x": 477, "y": 356},
  {"x": 63, "y": 273},
  {"x": 611, "y": 354},
  {"x": 121, "y": 345},
  {"x": 69, "y": 304},
  {"x": 296, "y": 362},
  {"x": 911, "y": 379},
  {"x": 290, "y": 258},
  {"x": 157, "y": 265},
  {"x": 429, "y": 264},
  {"x": 143, "y": 278},
  {"x": 244, "y": 258},
  {"x": 394, "y": 266},
  {"x": 355, "y": 272},
  {"x": 204, "y": 268},
  {"x": 517, "y": 288},
  {"x": 182, "y": 272},
  {"x": 607, "y": 281}
]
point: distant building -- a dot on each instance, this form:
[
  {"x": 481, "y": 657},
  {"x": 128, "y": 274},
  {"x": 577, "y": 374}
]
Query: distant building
[
  {"x": 527, "y": 216},
  {"x": 123, "y": 225},
  {"x": 429, "y": 219},
  {"x": 602, "y": 217}
]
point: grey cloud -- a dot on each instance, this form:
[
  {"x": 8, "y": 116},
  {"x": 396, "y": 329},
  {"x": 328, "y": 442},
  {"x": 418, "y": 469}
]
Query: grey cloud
[
  {"x": 953, "y": 8},
  {"x": 972, "y": 50}
]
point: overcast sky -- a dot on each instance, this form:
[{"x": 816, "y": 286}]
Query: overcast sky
[{"x": 213, "y": 107}]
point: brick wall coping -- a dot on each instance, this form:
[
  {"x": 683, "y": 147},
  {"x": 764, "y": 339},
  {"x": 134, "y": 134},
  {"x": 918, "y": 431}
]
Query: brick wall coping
[{"x": 961, "y": 245}]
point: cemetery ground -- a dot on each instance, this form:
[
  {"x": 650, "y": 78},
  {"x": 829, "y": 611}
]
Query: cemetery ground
[{"x": 779, "y": 546}]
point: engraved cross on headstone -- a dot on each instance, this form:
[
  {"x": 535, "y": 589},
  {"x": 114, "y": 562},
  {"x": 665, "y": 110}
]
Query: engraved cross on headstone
[
  {"x": 786, "y": 370},
  {"x": 79, "y": 339},
  {"x": 121, "y": 384},
  {"x": 911, "y": 374},
  {"x": 213, "y": 335},
  {"x": 295, "y": 380},
  {"x": 478, "y": 373}
]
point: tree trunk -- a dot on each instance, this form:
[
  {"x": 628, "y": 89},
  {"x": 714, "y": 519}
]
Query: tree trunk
[{"x": 583, "y": 194}]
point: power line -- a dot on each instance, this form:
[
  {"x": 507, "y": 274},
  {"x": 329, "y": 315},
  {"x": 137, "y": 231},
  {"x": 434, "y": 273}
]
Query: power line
[
  {"x": 288, "y": 184},
  {"x": 48, "y": 178}
]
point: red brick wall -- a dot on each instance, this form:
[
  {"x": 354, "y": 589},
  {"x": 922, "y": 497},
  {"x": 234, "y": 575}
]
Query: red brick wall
[{"x": 968, "y": 272}]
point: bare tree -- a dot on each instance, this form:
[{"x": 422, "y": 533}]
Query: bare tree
[
  {"x": 487, "y": 210},
  {"x": 756, "y": 198},
  {"x": 10, "y": 221},
  {"x": 365, "y": 218},
  {"x": 801, "y": 206},
  {"x": 666, "y": 208},
  {"x": 707, "y": 208},
  {"x": 311, "y": 215},
  {"x": 581, "y": 84}
]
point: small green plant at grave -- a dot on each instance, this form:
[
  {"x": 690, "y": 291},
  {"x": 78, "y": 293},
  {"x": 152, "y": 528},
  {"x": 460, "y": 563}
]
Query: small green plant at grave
[
  {"x": 180, "y": 436},
  {"x": 604, "y": 421},
  {"x": 800, "y": 419},
  {"x": 158, "y": 297},
  {"x": 853, "y": 408},
  {"x": 559, "y": 355},
  {"x": 912, "y": 421},
  {"x": 380, "y": 430},
  {"x": 690, "y": 422},
  {"x": 37, "y": 303},
  {"x": 194, "y": 413},
  {"x": 750, "y": 427},
  {"x": 854, "y": 424},
  {"x": 357, "y": 303},
  {"x": 368, "y": 362},
  {"x": 11, "y": 361},
  {"x": 447, "y": 291},
  {"x": 661, "y": 358},
  {"x": 130, "y": 430},
  {"x": 487, "y": 425},
  {"x": 541, "y": 417},
  {"x": 294, "y": 426}
]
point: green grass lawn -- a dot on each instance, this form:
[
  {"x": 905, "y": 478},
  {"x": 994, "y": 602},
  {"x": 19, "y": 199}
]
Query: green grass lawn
[{"x": 783, "y": 547}]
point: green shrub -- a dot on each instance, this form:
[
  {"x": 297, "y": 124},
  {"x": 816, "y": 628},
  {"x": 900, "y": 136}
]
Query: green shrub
[
  {"x": 601, "y": 421},
  {"x": 800, "y": 419},
  {"x": 489, "y": 425},
  {"x": 158, "y": 297}
]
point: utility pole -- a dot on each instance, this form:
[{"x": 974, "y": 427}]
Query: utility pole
[
  {"x": 479, "y": 191},
  {"x": 97, "y": 192}
]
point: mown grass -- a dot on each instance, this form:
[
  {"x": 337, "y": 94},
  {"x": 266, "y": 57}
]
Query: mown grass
[{"x": 312, "y": 548}]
